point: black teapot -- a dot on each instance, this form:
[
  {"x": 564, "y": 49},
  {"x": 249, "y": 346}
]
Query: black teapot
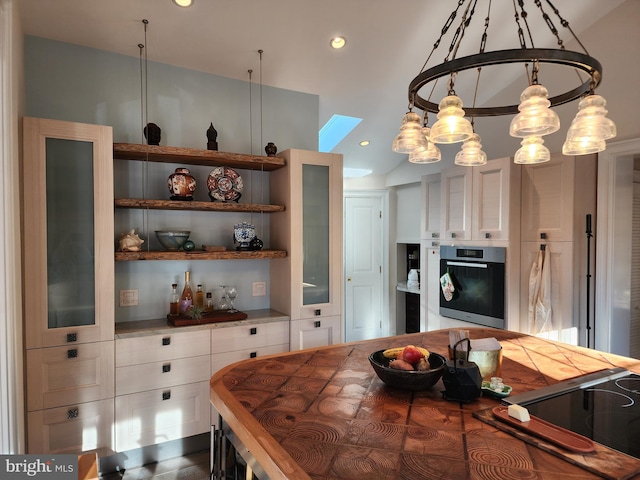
[{"x": 462, "y": 379}]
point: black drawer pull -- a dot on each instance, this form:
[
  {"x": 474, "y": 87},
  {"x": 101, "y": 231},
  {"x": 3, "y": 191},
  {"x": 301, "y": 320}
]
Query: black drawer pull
[
  {"x": 487, "y": 235},
  {"x": 316, "y": 324},
  {"x": 253, "y": 354},
  {"x": 72, "y": 337},
  {"x": 317, "y": 312},
  {"x": 166, "y": 341},
  {"x": 166, "y": 368},
  {"x": 72, "y": 413},
  {"x": 454, "y": 234},
  {"x": 72, "y": 353},
  {"x": 166, "y": 395},
  {"x": 253, "y": 331}
]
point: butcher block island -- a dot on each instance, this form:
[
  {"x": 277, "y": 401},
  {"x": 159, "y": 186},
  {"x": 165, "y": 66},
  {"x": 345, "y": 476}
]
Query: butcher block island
[{"x": 324, "y": 414}]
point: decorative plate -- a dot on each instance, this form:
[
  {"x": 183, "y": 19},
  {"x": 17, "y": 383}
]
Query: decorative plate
[
  {"x": 224, "y": 184},
  {"x": 487, "y": 390}
]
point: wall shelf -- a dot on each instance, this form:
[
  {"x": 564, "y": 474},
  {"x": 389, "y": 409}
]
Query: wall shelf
[
  {"x": 195, "y": 156},
  {"x": 200, "y": 206},
  {"x": 200, "y": 255}
]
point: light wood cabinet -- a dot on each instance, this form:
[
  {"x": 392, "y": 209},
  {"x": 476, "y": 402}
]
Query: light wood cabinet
[
  {"x": 69, "y": 285},
  {"x": 315, "y": 332},
  {"x": 307, "y": 285},
  {"x": 73, "y": 428},
  {"x": 233, "y": 344},
  {"x": 161, "y": 388},
  {"x": 156, "y": 416}
]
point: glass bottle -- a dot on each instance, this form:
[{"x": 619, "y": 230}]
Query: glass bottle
[
  {"x": 199, "y": 297},
  {"x": 186, "y": 299},
  {"x": 209, "y": 305},
  {"x": 174, "y": 301}
]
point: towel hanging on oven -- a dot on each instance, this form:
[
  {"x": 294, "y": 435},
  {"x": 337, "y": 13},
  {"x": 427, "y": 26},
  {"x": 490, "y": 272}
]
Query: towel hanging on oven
[{"x": 446, "y": 283}]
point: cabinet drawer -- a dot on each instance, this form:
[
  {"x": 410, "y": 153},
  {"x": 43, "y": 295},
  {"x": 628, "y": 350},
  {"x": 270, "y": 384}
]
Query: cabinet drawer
[
  {"x": 317, "y": 332},
  {"x": 149, "y": 376},
  {"x": 249, "y": 336},
  {"x": 156, "y": 348},
  {"x": 157, "y": 416},
  {"x": 71, "y": 429},
  {"x": 59, "y": 376},
  {"x": 219, "y": 360}
]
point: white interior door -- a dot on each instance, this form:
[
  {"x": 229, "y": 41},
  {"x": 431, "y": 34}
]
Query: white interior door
[{"x": 364, "y": 296}]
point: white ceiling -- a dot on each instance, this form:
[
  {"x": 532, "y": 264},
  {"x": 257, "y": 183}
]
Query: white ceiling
[{"x": 387, "y": 43}]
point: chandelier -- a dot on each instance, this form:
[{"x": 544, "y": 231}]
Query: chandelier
[{"x": 533, "y": 116}]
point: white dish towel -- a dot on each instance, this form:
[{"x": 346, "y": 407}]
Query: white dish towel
[{"x": 540, "y": 294}]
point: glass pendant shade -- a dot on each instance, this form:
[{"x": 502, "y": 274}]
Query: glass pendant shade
[
  {"x": 471, "y": 153},
  {"x": 451, "y": 126},
  {"x": 532, "y": 151},
  {"x": 410, "y": 139},
  {"x": 590, "y": 128},
  {"x": 430, "y": 155},
  {"x": 535, "y": 117}
]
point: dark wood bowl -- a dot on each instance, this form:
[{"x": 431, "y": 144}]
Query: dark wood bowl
[{"x": 408, "y": 380}]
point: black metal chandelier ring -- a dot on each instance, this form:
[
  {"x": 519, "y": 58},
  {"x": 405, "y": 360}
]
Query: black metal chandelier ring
[{"x": 577, "y": 60}]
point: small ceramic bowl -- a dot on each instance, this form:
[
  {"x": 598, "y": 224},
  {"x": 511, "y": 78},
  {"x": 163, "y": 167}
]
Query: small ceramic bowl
[
  {"x": 172, "y": 240},
  {"x": 408, "y": 380}
]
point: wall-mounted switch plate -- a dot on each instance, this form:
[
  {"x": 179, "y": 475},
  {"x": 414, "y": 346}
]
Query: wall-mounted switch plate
[
  {"x": 128, "y": 298},
  {"x": 259, "y": 289}
]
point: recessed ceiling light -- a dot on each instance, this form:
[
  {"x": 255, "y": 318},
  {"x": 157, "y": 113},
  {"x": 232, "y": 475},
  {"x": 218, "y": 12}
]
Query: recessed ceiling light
[
  {"x": 364, "y": 143},
  {"x": 338, "y": 42},
  {"x": 183, "y": 3}
]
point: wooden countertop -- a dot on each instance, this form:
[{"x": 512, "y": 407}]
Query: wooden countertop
[{"x": 323, "y": 413}]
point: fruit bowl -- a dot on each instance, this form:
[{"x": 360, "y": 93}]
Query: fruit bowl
[
  {"x": 408, "y": 380},
  {"x": 172, "y": 240}
]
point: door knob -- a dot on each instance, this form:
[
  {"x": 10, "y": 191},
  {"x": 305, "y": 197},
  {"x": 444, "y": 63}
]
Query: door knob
[{"x": 348, "y": 279}]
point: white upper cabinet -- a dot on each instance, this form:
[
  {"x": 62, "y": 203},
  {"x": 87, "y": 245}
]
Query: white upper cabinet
[
  {"x": 555, "y": 197},
  {"x": 477, "y": 203},
  {"x": 455, "y": 203},
  {"x": 495, "y": 198},
  {"x": 430, "y": 218}
]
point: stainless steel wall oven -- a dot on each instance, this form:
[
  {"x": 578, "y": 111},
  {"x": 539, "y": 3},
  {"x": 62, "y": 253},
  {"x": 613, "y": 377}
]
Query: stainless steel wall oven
[{"x": 478, "y": 278}]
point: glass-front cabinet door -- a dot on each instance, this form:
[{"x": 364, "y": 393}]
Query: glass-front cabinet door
[{"x": 68, "y": 233}]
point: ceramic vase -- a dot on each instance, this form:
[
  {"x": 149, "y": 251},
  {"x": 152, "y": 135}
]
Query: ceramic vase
[{"x": 181, "y": 184}]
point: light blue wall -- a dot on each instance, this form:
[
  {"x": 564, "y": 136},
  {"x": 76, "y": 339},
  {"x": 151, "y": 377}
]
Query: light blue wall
[{"x": 69, "y": 82}]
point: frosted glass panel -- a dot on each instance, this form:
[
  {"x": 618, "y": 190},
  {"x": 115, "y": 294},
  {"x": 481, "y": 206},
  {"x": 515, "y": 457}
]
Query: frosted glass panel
[
  {"x": 315, "y": 234},
  {"x": 70, "y": 237}
]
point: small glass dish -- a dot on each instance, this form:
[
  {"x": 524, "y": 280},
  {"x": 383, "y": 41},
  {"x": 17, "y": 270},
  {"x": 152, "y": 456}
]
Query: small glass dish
[{"x": 500, "y": 393}]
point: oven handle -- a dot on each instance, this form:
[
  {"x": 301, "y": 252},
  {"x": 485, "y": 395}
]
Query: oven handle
[{"x": 467, "y": 264}]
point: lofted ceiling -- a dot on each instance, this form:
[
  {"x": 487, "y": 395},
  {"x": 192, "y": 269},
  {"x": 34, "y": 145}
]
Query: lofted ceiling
[{"x": 388, "y": 42}]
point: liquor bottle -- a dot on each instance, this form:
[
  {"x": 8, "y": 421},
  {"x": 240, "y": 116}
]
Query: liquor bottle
[
  {"x": 174, "y": 301},
  {"x": 200, "y": 297},
  {"x": 209, "y": 305},
  {"x": 186, "y": 299}
]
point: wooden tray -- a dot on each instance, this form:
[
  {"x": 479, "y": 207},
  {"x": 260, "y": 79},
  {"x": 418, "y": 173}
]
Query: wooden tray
[
  {"x": 548, "y": 431},
  {"x": 213, "y": 317}
]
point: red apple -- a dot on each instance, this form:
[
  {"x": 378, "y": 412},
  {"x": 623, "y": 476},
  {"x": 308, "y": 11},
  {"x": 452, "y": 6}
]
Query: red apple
[{"x": 411, "y": 354}]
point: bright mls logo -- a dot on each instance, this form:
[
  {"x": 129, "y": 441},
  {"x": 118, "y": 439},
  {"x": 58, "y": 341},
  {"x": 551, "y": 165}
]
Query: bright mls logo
[{"x": 49, "y": 467}]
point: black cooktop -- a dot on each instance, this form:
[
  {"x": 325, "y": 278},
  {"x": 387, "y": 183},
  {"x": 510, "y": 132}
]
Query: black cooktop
[{"x": 603, "y": 406}]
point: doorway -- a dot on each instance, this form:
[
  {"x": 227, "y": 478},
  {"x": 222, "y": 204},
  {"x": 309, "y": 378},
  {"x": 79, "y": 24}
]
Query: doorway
[
  {"x": 612, "y": 321},
  {"x": 365, "y": 265}
]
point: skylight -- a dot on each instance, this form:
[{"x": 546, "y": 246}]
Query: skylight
[{"x": 332, "y": 133}]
